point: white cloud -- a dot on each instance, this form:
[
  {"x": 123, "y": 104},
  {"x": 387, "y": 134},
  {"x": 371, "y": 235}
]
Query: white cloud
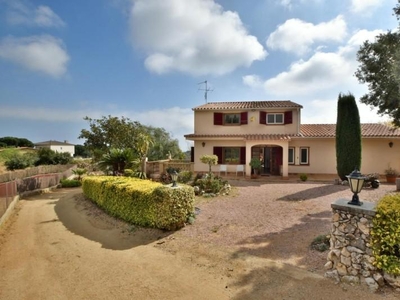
[
  {"x": 22, "y": 13},
  {"x": 297, "y": 36},
  {"x": 192, "y": 36},
  {"x": 42, "y": 53},
  {"x": 252, "y": 81},
  {"x": 365, "y": 6}
]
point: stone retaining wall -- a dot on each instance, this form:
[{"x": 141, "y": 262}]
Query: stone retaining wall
[{"x": 350, "y": 258}]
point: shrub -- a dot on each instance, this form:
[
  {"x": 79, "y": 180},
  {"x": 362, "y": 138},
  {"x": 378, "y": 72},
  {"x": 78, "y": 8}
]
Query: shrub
[
  {"x": 303, "y": 177},
  {"x": 20, "y": 161},
  {"x": 321, "y": 243},
  {"x": 385, "y": 234},
  {"x": 211, "y": 184},
  {"x": 185, "y": 176},
  {"x": 65, "y": 183}
]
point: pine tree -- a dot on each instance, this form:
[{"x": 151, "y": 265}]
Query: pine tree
[{"x": 348, "y": 136}]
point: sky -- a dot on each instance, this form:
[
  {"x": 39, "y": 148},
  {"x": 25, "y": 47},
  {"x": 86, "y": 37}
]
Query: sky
[{"x": 147, "y": 60}]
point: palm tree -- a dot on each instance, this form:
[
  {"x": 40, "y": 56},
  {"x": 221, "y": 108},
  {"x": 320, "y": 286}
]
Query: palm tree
[{"x": 117, "y": 159}]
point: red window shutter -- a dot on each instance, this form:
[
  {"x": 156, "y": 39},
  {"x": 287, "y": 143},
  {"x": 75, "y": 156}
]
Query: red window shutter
[
  {"x": 242, "y": 155},
  {"x": 243, "y": 118},
  {"x": 263, "y": 117},
  {"x": 218, "y": 119},
  {"x": 218, "y": 152},
  {"x": 288, "y": 117}
]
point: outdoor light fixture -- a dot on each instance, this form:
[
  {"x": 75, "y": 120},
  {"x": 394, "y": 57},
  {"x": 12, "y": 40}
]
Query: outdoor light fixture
[
  {"x": 356, "y": 182},
  {"x": 390, "y": 144},
  {"x": 203, "y": 144},
  {"x": 174, "y": 176}
]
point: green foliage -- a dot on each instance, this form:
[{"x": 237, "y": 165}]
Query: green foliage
[
  {"x": 141, "y": 202},
  {"x": 81, "y": 151},
  {"x": 348, "y": 136},
  {"x": 117, "y": 160},
  {"x": 113, "y": 133},
  {"x": 209, "y": 160},
  {"x": 210, "y": 184},
  {"x": 19, "y": 161},
  {"x": 185, "y": 176},
  {"x": 47, "y": 156},
  {"x": 163, "y": 145},
  {"x": 9, "y": 141},
  {"x": 321, "y": 243},
  {"x": 303, "y": 177},
  {"x": 79, "y": 172},
  {"x": 67, "y": 183},
  {"x": 385, "y": 234},
  {"x": 129, "y": 173},
  {"x": 255, "y": 163},
  {"x": 379, "y": 61}
]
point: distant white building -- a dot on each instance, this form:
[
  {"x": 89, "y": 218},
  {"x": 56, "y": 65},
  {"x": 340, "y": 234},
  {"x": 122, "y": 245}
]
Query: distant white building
[{"x": 57, "y": 146}]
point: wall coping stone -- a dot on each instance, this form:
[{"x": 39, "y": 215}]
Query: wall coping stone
[{"x": 368, "y": 208}]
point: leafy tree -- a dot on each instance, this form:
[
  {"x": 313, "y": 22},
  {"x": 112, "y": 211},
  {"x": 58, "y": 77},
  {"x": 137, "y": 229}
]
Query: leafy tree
[
  {"x": 110, "y": 133},
  {"x": 210, "y": 160},
  {"x": 163, "y": 145},
  {"x": 379, "y": 68},
  {"x": 348, "y": 136},
  {"x": 82, "y": 151},
  {"x": 16, "y": 142}
]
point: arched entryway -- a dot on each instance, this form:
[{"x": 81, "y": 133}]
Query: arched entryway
[{"x": 271, "y": 157}]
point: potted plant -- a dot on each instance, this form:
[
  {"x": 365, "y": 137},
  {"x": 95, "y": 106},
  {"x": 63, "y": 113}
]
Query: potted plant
[
  {"x": 255, "y": 165},
  {"x": 391, "y": 175}
]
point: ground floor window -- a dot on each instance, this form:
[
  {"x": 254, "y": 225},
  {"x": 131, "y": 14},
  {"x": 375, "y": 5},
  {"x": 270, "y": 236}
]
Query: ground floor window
[
  {"x": 230, "y": 155},
  {"x": 291, "y": 156},
  {"x": 304, "y": 155}
]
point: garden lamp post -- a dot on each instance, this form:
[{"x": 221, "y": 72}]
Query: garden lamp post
[
  {"x": 356, "y": 182},
  {"x": 174, "y": 176}
]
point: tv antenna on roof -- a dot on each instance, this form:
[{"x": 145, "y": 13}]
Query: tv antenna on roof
[{"x": 206, "y": 89}]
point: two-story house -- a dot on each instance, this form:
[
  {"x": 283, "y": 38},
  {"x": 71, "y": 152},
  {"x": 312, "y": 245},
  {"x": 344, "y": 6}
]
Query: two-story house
[
  {"x": 272, "y": 131},
  {"x": 57, "y": 146}
]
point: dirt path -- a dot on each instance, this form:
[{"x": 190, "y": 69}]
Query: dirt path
[{"x": 58, "y": 246}]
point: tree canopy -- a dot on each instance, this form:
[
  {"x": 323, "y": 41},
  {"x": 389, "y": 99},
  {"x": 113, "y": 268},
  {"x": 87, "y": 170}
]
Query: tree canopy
[
  {"x": 379, "y": 68},
  {"x": 121, "y": 133}
]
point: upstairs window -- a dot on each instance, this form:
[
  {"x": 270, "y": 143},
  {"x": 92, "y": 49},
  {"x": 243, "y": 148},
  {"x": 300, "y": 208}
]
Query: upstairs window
[
  {"x": 275, "y": 118},
  {"x": 231, "y": 119}
]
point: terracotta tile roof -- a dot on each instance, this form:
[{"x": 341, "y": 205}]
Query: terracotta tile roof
[
  {"x": 241, "y": 136},
  {"x": 246, "y": 105},
  {"x": 309, "y": 131},
  {"x": 329, "y": 130}
]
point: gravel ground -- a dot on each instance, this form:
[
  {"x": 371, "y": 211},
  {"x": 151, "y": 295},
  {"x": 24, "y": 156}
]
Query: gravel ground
[{"x": 274, "y": 220}]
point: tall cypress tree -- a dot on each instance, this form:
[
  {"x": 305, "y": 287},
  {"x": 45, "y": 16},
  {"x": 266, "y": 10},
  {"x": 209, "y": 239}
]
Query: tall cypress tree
[{"x": 348, "y": 136}]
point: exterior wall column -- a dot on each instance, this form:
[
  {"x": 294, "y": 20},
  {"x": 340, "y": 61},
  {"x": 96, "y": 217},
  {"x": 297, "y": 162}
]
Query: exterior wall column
[
  {"x": 285, "y": 159},
  {"x": 248, "y": 158}
]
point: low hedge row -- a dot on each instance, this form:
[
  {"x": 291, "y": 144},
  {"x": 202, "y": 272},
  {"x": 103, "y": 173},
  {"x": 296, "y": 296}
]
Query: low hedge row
[{"x": 141, "y": 202}]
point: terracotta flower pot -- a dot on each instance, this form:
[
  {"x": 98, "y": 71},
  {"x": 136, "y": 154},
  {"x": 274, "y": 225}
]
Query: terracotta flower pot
[{"x": 391, "y": 178}]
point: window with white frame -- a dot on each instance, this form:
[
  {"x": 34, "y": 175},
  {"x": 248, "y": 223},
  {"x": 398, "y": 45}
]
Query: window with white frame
[
  {"x": 275, "y": 118},
  {"x": 304, "y": 155},
  {"x": 291, "y": 156}
]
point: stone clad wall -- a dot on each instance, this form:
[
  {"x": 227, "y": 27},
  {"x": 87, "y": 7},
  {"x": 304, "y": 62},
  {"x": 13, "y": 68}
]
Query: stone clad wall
[{"x": 350, "y": 258}]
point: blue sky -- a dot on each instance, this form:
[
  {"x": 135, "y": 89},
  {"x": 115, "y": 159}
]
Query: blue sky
[{"x": 144, "y": 59}]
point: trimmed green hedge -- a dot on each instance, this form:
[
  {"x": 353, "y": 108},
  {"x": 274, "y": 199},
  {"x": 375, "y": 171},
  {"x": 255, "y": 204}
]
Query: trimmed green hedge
[
  {"x": 141, "y": 202},
  {"x": 385, "y": 234}
]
